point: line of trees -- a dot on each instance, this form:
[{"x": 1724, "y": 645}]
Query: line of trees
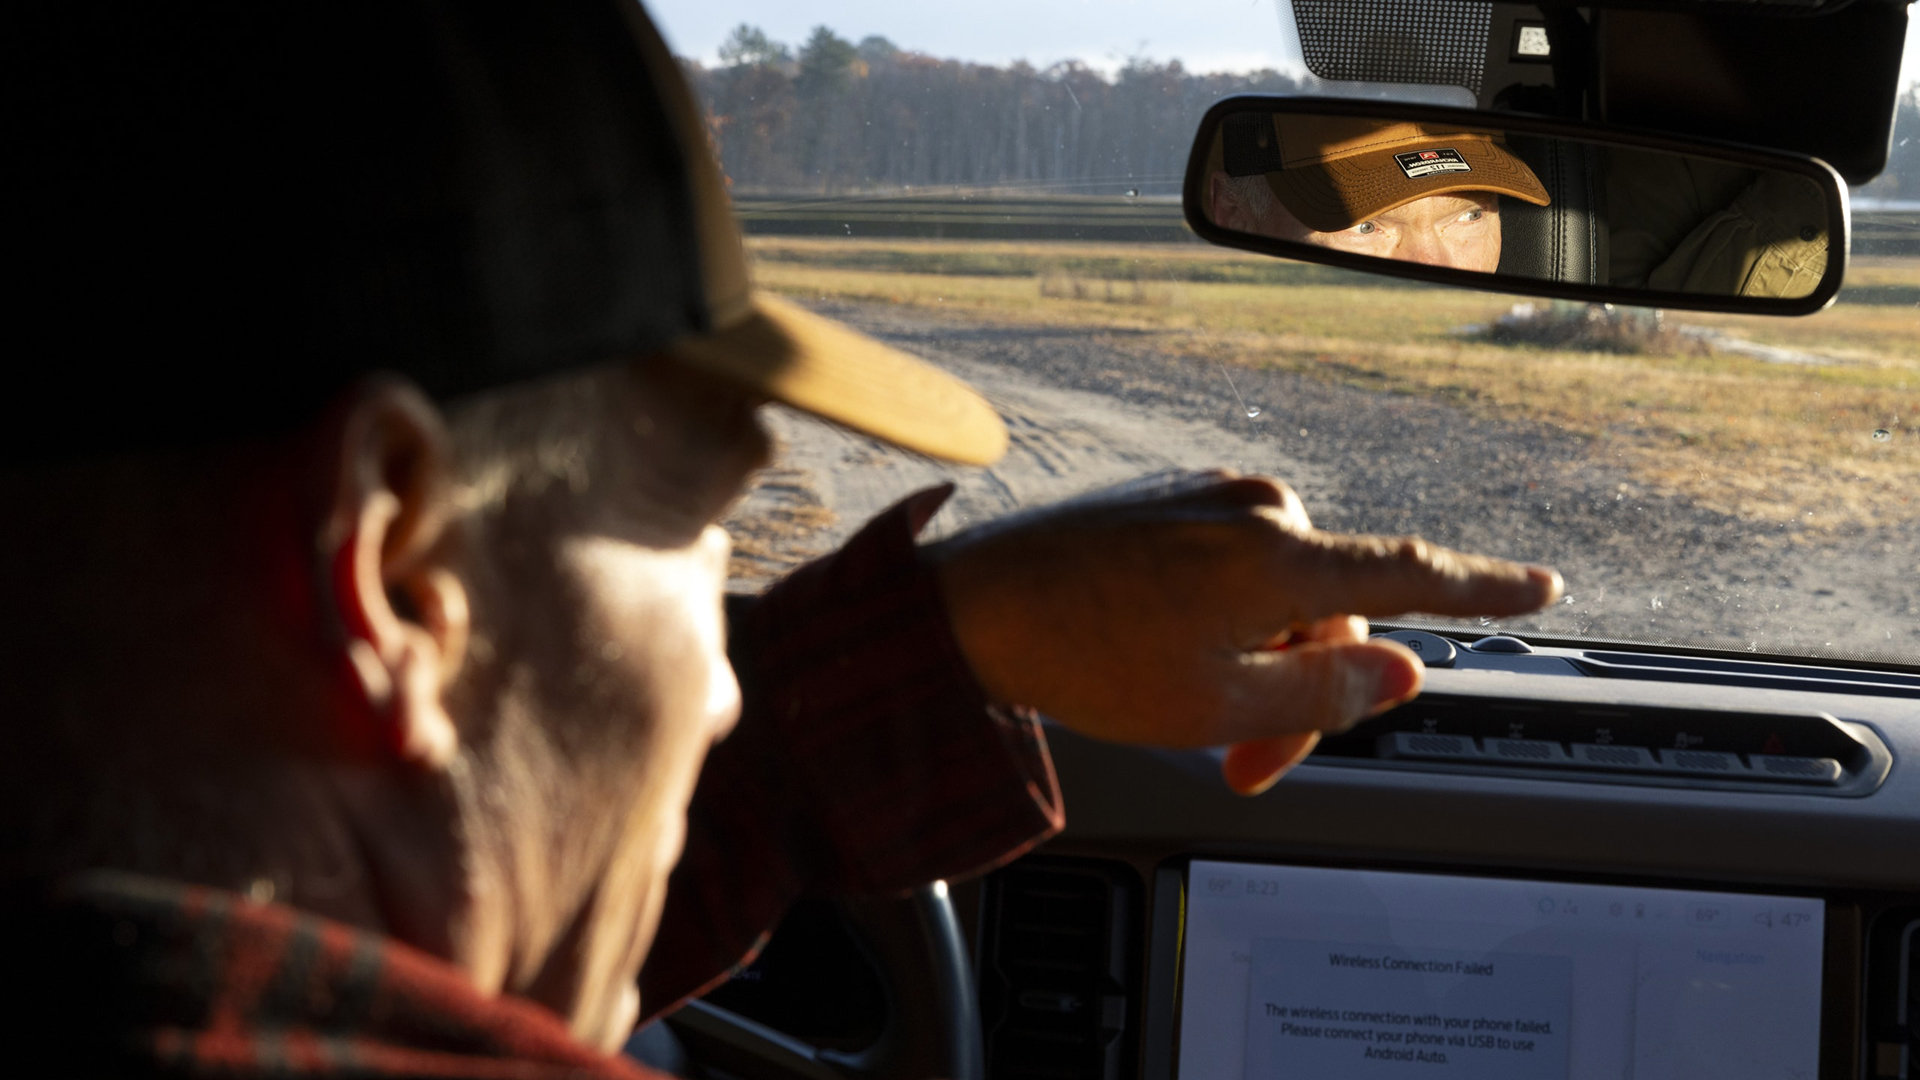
[{"x": 836, "y": 116}]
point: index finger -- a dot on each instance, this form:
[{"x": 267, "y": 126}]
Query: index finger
[{"x": 1339, "y": 574}]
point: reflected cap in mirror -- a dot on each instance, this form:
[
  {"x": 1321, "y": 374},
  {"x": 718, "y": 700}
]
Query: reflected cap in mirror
[{"x": 1334, "y": 172}]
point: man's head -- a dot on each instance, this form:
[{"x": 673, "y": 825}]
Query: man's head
[
  {"x": 1413, "y": 192},
  {"x": 446, "y": 673},
  {"x": 398, "y": 360}
]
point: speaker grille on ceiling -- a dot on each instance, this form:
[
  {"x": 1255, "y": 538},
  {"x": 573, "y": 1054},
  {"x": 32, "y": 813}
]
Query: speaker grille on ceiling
[{"x": 1400, "y": 41}]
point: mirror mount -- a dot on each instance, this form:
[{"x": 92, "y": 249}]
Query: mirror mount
[{"x": 1553, "y": 179}]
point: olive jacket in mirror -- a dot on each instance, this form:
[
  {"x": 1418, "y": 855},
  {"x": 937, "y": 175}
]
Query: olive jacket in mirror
[{"x": 1686, "y": 224}]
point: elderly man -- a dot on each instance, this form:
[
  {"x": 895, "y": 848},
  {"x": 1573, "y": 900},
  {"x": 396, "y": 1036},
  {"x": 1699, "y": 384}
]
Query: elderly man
[
  {"x": 1422, "y": 193},
  {"x": 367, "y": 666}
]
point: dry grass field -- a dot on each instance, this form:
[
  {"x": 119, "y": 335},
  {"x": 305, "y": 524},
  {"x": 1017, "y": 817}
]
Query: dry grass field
[{"x": 1832, "y": 444}]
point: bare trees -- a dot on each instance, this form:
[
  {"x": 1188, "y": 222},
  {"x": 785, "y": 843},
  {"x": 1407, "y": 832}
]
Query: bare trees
[{"x": 838, "y": 117}]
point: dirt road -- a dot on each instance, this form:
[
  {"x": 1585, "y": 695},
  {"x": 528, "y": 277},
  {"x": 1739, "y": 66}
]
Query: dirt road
[{"x": 1090, "y": 409}]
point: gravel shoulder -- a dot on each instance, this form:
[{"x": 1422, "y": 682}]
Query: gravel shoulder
[{"x": 1089, "y": 409}]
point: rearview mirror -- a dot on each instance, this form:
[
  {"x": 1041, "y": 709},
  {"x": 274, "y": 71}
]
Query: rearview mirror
[{"x": 1519, "y": 204}]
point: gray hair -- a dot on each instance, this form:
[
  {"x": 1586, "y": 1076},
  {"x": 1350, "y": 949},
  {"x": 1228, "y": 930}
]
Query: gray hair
[{"x": 1254, "y": 195}]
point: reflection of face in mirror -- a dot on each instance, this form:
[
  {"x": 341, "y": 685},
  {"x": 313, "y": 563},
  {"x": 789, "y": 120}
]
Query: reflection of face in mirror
[
  {"x": 1394, "y": 190},
  {"x": 1477, "y": 199},
  {"x": 1461, "y": 230}
]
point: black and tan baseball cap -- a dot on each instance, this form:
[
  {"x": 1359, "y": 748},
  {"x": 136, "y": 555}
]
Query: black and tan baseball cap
[
  {"x": 224, "y": 212},
  {"x": 1334, "y": 172}
]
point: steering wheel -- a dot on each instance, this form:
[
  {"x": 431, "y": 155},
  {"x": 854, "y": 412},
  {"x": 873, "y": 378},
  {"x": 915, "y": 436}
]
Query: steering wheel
[{"x": 933, "y": 1022}]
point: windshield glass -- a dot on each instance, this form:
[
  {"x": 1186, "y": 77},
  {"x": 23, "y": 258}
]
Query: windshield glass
[{"x": 995, "y": 187}]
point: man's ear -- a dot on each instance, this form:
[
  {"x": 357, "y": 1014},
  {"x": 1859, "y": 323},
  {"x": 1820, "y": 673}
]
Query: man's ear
[{"x": 400, "y": 610}]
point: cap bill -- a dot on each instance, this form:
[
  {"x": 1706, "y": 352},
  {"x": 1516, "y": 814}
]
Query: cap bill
[
  {"x": 794, "y": 356},
  {"x": 1338, "y": 194}
]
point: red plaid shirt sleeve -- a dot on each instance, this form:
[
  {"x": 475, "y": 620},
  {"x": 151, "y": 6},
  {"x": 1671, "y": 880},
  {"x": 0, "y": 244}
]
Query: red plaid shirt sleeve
[{"x": 867, "y": 759}]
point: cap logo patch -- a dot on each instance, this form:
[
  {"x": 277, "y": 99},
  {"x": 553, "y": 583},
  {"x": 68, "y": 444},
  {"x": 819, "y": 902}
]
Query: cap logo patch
[{"x": 1419, "y": 163}]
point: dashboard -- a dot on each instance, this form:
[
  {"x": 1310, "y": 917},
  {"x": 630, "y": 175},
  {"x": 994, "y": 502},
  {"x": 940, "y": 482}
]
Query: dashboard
[{"x": 1559, "y": 861}]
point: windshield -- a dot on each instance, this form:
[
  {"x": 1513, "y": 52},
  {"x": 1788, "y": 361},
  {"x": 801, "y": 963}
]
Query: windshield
[{"x": 995, "y": 187}]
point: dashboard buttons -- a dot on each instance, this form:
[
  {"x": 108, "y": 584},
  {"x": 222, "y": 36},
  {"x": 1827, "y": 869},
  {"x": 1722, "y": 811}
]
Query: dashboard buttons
[
  {"x": 1545, "y": 753},
  {"x": 1428, "y": 746},
  {"x": 1500, "y": 643},
  {"x": 1433, "y": 650},
  {"x": 1614, "y": 757},
  {"x": 1526, "y": 751},
  {"x": 1804, "y": 770},
  {"x": 1614, "y": 743},
  {"x": 1703, "y": 762}
]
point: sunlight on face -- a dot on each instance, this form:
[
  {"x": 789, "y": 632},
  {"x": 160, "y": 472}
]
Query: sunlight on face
[
  {"x": 616, "y": 654},
  {"x": 1459, "y": 230},
  {"x": 662, "y": 637}
]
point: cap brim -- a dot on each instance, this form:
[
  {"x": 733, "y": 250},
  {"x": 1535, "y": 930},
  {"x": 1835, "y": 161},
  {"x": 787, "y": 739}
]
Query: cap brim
[
  {"x": 794, "y": 356},
  {"x": 1339, "y": 194}
]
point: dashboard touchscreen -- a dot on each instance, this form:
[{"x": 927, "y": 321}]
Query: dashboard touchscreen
[{"x": 1338, "y": 974}]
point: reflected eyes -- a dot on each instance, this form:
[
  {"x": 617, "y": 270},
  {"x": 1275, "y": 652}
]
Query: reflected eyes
[
  {"x": 1371, "y": 228},
  {"x": 1468, "y": 217}
]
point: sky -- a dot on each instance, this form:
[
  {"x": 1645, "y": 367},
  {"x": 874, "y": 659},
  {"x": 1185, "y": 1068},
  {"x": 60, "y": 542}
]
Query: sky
[{"x": 1205, "y": 35}]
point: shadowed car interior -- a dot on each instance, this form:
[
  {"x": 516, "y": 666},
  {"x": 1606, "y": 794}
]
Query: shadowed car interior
[{"x": 1668, "y": 827}]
